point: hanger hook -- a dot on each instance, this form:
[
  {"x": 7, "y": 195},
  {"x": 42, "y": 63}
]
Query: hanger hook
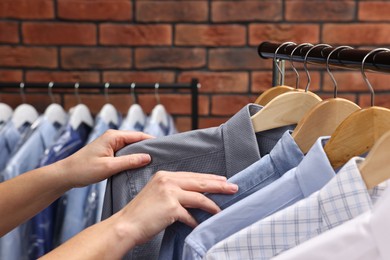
[
  {"x": 156, "y": 87},
  {"x": 277, "y": 60},
  {"x": 76, "y": 92},
  {"x": 49, "y": 90},
  {"x": 22, "y": 94},
  {"x": 292, "y": 62},
  {"x": 364, "y": 74},
  {"x": 132, "y": 91},
  {"x": 328, "y": 67},
  {"x": 305, "y": 62},
  {"x": 106, "y": 86}
]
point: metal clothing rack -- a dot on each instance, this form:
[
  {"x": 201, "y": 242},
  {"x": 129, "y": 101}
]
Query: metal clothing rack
[
  {"x": 345, "y": 58},
  {"x": 102, "y": 88}
]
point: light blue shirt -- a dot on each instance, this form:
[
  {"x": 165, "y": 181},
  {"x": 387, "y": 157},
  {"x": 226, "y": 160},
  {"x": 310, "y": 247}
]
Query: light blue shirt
[
  {"x": 14, "y": 245},
  {"x": 159, "y": 129},
  {"x": 283, "y": 157},
  {"x": 9, "y": 141},
  {"x": 308, "y": 177}
]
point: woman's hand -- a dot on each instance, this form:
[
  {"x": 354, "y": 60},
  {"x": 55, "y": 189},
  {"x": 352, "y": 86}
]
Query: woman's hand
[
  {"x": 96, "y": 162},
  {"x": 164, "y": 199}
]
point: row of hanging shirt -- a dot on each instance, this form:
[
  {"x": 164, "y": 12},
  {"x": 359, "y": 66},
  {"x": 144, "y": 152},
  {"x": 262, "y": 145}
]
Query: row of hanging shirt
[
  {"x": 28, "y": 141},
  {"x": 292, "y": 158}
]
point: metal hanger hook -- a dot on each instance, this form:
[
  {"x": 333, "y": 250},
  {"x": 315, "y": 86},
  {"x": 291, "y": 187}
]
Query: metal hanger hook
[
  {"x": 106, "y": 86},
  {"x": 328, "y": 67},
  {"x": 76, "y": 92},
  {"x": 22, "y": 94},
  {"x": 50, "y": 91},
  {"x": 292, "y": 62},
  {"x": 132, "y": 92},
  {"x": 156, "y": 87},
  {"x": 276, "y": 60},
  {"x": 364, "y": 74},
  {"x": 305, "y": 62}
]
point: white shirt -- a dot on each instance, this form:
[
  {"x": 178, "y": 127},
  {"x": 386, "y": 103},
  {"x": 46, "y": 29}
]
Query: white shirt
[{"x": 364, "y": 237}]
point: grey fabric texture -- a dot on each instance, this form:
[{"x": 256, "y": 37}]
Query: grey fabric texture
[{"x": 223, "y": 150}]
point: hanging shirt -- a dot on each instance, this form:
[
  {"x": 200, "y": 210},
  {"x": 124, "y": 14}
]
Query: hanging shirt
[
  {"x": 41, "y": 238},
  {"x": 158, "y": 129},
  {"x": 223, "y": 150},
  {"x": 10, "y": 137},
  {"x": 133, "y": 126},
  {"x": 364, "y": 237},
  {"x": 342, "y": 199},
  {"x": 14, "y": 245},
  {"x": 312, "y": 173},
  {"x": 284, "y": 156}
]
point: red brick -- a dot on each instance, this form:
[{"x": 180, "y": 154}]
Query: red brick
[
  {"x": 183, "y": 124},
  {"x": 237, "y": 59},
  {"x": 15, "y": 56},
  {"x": 135, "y": 35},
  {"x": 62, "y": 76},
  {"x": 229, "y": 105},
  {"x": 96, "y": 58},
  {"x": 181, "y": 58},
  {"x": 27, "y": 9},
  {"x": 283, "y": 32},
  {"x": 242, "y": 11},
  {"x": 171, "y": 11},
  {"x": 357, "y": 34},
  {"x": 301, "y": 10},
  {"x": 174, "y": 103},
  {"x": 212, "y": 121},
  {"x": 374, "y": 11},
  {"x": 9, "y": 32},
  {"x": 262, "y": 81},
  {"x": 218, "y": 82},
  {"x": 352, "y": 81},
  {"x": 113, "y": 10},
  {"x": 11, "y": 76},
  {"x": 139, "y": 76},
  {"x": 210, "y": 35},
  {"x": 382, "y": 100},
  {"x": 59, "y": 33}
]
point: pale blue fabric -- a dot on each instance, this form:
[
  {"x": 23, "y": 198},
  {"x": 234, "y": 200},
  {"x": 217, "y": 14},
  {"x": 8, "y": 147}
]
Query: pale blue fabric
[
  {"x": 283, "y": 157},
  {"x": 14, "y": 245},
  {"x": 309, "y": 176},
  {"x": 159, "y": 129},
  {"x": 42, "y": 233},
  {"x": 10, "y": 137},
  {"x": 138, "y": 126}
]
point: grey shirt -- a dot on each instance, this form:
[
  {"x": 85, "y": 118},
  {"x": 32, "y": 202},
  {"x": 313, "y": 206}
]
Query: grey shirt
[{"x": 223, "y": 150}]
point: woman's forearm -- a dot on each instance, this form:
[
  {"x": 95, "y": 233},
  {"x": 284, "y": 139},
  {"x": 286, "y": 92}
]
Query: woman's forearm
[{"x": 24, "y": 196}]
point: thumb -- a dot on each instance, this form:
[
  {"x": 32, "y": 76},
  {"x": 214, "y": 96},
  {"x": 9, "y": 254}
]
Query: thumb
[{"x": 130, "y": 161}]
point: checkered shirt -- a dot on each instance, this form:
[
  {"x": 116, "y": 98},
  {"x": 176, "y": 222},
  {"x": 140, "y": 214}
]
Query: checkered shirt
[{"x": 342, "y": 199}]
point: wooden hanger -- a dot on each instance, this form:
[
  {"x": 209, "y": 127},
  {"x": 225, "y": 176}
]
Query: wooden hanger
[
  {"x": 324, "y": 118},
  {"x": 376, "y": 168},
  {"x": 287, "y": 108},
  {"x": 275, "y": 91},
  {"x": 358, "y": 133}
]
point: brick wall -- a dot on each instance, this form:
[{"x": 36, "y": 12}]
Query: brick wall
[{"x": 173, "y": 41}]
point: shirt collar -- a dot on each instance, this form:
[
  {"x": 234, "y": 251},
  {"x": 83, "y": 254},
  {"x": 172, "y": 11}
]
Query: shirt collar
[
  {"x": 346, "y": 194},
  {"x": 380, "y": 224},
  {"x": 286, "y": 154},
  {"x": 47, "y": 131},
  {"x": 315, "y": 170},
  {"x": 239, "y": 138}
]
